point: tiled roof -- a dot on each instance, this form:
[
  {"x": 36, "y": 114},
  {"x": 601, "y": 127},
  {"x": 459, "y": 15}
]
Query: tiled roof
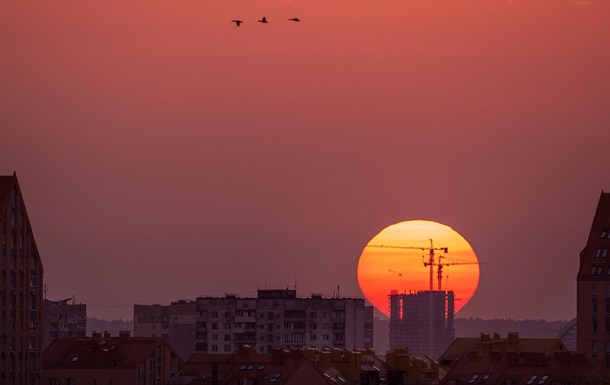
[
  {"x": 461, "y": 346},
  {"x": 275, "y": 368},
  {"x": 521, "y": 368},
  {"x": 105, "y": 352}
]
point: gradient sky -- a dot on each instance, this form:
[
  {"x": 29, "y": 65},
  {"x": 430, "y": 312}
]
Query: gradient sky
[{"x": 164, "y": 153}]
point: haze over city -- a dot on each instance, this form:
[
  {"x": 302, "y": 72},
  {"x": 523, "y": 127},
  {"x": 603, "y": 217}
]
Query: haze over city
[{"x": 164, "y": 153}]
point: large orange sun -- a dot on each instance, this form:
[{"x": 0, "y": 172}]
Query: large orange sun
[{"x": 398, "y": 259}]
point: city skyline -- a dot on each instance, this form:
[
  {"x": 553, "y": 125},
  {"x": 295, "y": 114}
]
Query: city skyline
[{"x": 165, "y": 154}]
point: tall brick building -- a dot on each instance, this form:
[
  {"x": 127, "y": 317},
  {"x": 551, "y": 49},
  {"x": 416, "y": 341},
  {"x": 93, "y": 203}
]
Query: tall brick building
[
  {"x": 593, "y": 287},
  {"x": 20, "y": 290}
]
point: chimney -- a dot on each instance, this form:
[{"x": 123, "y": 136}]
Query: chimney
[
  {"x": 96, "y": 336},
  {"x": 244, "y": 351},
  {"x": 124, "y": 334},
  {"x": 403, "y": 362},
  {"x": 495, "y": 356},
  {"x": 485, "y": 348},
  {"x": 496, "y": 336},
  {"x": 106, "y": 335},
  {"x": 354, "y": 359},
  {"x": 278, "y": 355},
  {"x": 513, "y": 341},
  {"x": 484, "y": 337},
  {"x": 325, "y": 361}
]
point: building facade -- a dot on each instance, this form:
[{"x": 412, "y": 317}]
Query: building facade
[
  {"x": 422, "y": 322},
  {"x": 20, "y": 290},
  {"x": 593, "y": 287},
  {"x": 275, "y": 318},
  {"x": 175, "y": 323},
  {"x": 63, "y": 319},
  {"x": 103, "y": 359}
]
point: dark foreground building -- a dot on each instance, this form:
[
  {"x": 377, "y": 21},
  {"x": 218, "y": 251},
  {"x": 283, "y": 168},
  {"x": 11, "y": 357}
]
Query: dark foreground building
[
  {"x": 593, "y": 287},
  {"x": 20, "y": 290}
]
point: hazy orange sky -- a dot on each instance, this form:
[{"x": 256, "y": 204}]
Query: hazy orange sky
[{"x": 164, "y": 153}]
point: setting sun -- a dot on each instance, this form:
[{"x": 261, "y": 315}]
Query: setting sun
[{"x": 398, "y": 259}]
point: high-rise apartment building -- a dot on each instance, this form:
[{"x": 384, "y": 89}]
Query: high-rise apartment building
[
  {"x": 20, "y": 290},
  {"x": 63, "y": 319},
  {"x": 422, "y": 322},
  {"x": 593, "y": 287},
  {"x": 275, "y": 318}
]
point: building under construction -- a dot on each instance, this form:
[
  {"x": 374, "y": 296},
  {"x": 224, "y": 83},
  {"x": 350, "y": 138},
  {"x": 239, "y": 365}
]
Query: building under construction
[{"x": 422, "y": 322}]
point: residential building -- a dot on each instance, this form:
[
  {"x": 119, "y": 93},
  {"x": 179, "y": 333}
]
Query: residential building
[
  {"x": 486, "y": 344},
  {"x": 63, "y": 319},
  {"x": 247, "y": 367},
  {"x": 526, "y": 368},
  {"x": 422, "y": 322},
  {"x": 20, "y": 290},
  {"x": 593, "y": 287},
  {"x": 275, "y": 318},
  {"x": 174, "y": 322},
  {"x": 105, "y": 360}
]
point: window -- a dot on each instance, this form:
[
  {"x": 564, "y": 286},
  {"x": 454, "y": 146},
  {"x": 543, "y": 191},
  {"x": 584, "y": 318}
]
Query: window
[
  {"x": 531, "y": 380},
  {"x": 543, "y": 379},
  {"x": 605, "y": 234},
  {"x": 214, "y": 348},
  {"x": 594, "y": 349},
  {"x": 54, "y": 381},
  {"x": 473, "y": 379},
  {"x": 601, "y": 253},
  {"x": 70, "y": 381}
]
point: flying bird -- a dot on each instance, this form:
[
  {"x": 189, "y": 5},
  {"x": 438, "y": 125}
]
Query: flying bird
[
  {"x": 237, "y": 22},
  {"x": 294, "y": 19},
  {"x": 263, "y": 20}
]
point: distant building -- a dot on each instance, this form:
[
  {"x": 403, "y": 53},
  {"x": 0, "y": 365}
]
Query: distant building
[
  {"x": 276, "y": 318},
  {"x": 422, "y": 322},
  {"x": 593, "y": 287},
  {"x": 63, "y": 319},
  {"x": 20, "y": 290},
  {"x": 102, "y": 359},
  {"x": 526, "y": 368},
  {"x": 174, "y": 322}
]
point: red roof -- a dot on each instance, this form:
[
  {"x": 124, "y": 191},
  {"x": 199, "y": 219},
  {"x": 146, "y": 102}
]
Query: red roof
[{"x": 103, "y": 352}]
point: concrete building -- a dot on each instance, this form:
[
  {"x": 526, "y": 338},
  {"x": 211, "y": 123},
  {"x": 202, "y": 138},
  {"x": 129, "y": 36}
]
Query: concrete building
[
  {"x": 63, "y": 319},
  {"x": 276, "y": 318},
  {"x": 422, "y": 322},
  {"x": 174, "y": 322},
  {"x": 593, "y": 287},
  {"x": 103, "y": 359},
  {"x": 20, "y": 290}
]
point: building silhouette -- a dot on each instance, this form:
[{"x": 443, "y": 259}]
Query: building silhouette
[
  {"x": 63, "y": 319},
  {"x": 422, "y": 322},
  {"x": 20, "y": 290},
  {"x": 593, "y": 287},
  {"x": 103, "y": 359},
  {"x": 275, "y": 318}
]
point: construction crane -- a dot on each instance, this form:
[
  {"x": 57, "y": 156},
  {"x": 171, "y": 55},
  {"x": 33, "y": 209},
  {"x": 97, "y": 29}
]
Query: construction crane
[
  {"x": 431, "y": 261},
  {"x": 439, "y": 268}
]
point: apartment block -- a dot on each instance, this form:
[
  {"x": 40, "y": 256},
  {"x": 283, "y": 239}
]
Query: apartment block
[
  {"x": 20, "y": 290},
  {"x": 275, "y": 318},
  {"x": 63, "y": 319}
]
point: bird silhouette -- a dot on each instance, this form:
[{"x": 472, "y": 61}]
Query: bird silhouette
[
  {"x": 263, "y": 20},
  {"x": 294, "y": 19},
  {"x": 237, "y": 22}
]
